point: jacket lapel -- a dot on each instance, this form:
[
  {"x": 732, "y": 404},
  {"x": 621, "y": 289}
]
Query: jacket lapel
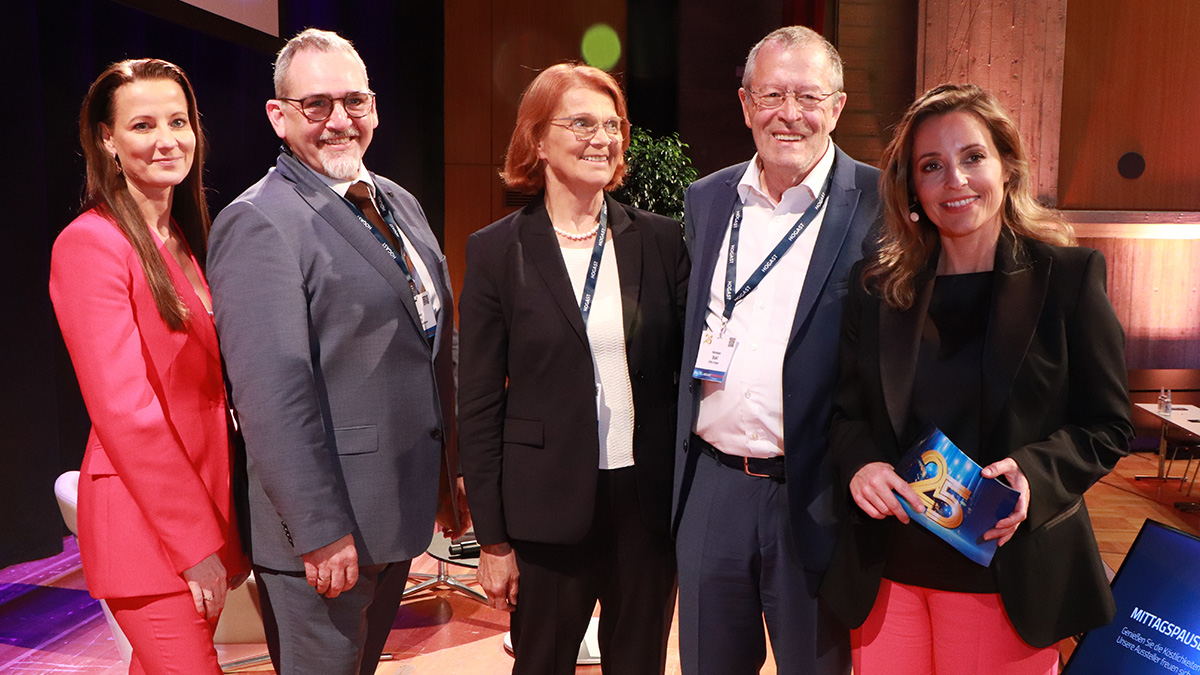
[
  {"x": 201, "y": 326},
  {"x": 628, "y": 245},
  {"x": 1020, "y": 285},
  {"x": 843, "y": 200},
  {"x": 334, "y": 211},
  {"x": 537, "y": 237},
  {"x": 899, "y": 345}
]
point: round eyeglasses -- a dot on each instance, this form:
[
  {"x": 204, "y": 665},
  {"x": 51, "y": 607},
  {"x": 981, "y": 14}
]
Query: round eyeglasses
[
  {"x": 585, "y": 126},
  {"x": 318, "y": 107},
  {"x": 773, "y": 98}
]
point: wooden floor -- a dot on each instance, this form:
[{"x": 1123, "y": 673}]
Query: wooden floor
[{"x": 48, "y": 623}]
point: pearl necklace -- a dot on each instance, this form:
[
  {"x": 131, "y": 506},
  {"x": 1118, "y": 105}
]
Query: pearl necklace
[{"x": 581, "y": 236}]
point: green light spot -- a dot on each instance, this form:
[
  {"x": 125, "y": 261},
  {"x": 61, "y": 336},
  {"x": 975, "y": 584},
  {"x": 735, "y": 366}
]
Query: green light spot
[{"x": 601, "y": 47}]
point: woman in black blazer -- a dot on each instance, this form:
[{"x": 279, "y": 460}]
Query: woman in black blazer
[
  {"x": 979, "y": 316},
  {"x": 571, "y": 335}
]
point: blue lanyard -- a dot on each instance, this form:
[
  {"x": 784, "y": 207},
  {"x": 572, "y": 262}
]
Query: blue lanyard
[
  {"x": 391, "y": 223},
  {"x": 589, "y": 286},
  {"x": 731, "y": 298},
  {"x": 409, "y": 274}
]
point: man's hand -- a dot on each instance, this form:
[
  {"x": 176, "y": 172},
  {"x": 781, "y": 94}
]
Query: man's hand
[
  {"x": 333, "y": 568},
  {"x": 498, "y": 575},
  {"x": 445, "y": 515},
  {"x": 874, "y": 489},
  {"x": 1007, "y": 527},
  {"x": 206, "y": 580}
]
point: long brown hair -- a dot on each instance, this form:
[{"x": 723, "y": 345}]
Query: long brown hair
[
  {"x": 108, "y": 193},
  {"x": 523, "y": 170},
  {"x": 906, "y": 247}
]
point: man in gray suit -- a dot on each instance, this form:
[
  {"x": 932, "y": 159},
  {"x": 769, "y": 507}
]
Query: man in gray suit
[
  {"x": 335, "y": 314},
  {"x": 772, "y": 241}
]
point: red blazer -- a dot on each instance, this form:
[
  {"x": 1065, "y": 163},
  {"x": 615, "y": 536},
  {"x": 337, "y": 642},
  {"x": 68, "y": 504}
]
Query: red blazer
[{"x": 154, "y": 494}]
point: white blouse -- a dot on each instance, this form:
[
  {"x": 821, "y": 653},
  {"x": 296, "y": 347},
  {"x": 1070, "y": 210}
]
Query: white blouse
[{"x": 606, "y": 335}]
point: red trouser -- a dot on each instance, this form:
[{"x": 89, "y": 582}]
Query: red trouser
[
  {"x": 921, "y": 631},
  {"x": 167, "y": 634}
]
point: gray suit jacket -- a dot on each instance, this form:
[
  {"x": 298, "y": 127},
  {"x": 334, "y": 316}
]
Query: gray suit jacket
[
  {"x": 810, "y": 363},
  {"x": 345, "y": 407}
]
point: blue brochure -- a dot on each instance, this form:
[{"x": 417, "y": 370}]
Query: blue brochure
[{"x": 960, "y": 504}]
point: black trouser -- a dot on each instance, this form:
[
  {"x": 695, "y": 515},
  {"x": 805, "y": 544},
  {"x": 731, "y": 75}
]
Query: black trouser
[{"x": 621, "y": 563}]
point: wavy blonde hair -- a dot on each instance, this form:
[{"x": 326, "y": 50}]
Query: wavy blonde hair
[{"x": 905, "y": 247}]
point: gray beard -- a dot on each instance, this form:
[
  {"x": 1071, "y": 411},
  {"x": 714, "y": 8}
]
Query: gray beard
[{"x": 342, "y": 166}]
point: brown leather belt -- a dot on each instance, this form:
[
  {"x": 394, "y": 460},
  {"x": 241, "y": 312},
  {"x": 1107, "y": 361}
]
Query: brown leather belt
[{"x": 759, "y": 467}]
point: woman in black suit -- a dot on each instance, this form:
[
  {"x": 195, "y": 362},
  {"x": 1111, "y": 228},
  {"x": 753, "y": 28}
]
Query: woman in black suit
[
  {"x": 571, "y": 323},
  {"x": 978, "y": 315}
]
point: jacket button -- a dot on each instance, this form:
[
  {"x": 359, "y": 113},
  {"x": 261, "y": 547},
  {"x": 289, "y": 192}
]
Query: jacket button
[
  {"x": 436, "y": 434},
  {"x": 685, "y": 445}
]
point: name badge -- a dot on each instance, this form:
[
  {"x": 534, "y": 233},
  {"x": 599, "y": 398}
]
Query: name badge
[
  {"x": 428, "y": 317},
  {"x": 716, "y": 353}
]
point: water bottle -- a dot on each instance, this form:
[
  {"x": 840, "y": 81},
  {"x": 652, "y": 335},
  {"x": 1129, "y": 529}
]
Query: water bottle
[
  {"x": 1162, "y": 400},
  {"x": 1167, "y": 402}
]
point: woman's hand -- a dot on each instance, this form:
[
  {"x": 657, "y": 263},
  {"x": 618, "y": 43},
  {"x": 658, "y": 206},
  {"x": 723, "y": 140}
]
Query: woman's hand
[
  {"x": 1006, "y": 527},
  {"x": 206, "y": 580},
  {"x": 874, "y": 489},
  {"x": 498, "y": 575}
]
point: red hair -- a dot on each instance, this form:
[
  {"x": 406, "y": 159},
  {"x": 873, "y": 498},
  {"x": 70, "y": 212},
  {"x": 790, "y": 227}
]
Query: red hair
[{"x": 523, "y": 170}]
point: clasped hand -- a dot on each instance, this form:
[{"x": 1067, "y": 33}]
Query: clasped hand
[{"x": 876, "y": 486}]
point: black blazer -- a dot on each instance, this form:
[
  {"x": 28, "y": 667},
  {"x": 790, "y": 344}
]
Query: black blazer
[
  {"x": 1055, "y": 400},
  {"x": 527, "y": 403}
]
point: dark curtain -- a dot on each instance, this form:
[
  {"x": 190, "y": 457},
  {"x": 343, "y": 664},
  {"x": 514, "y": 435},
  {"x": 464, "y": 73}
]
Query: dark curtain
[{"x": 53, "y": 52}]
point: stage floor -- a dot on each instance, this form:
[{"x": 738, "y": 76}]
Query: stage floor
[{"x": 49, "y": 624}]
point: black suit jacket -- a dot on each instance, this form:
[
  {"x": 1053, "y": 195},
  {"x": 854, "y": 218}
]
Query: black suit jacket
[
  {"x": 810, "y": 365},
  {"x": 1054, "y": 399},
  {"x": 527, "y": 401}
]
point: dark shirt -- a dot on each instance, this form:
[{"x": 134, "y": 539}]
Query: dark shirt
[{"x": 947, "y": 393}]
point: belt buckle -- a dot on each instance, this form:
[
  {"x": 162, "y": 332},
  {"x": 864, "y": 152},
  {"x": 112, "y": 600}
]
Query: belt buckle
[{"x": 746, "y": 468}]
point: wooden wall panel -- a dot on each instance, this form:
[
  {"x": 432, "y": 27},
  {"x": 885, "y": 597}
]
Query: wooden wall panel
[
  {"x": 1132, "y": 69},
  {"x": 471, "y": 210},
  {"x": 877, "y": 39},
  {"x": 1014, "y": 48},
  {"x": 529, "y": 36},
  {"x": 468, "y": 89},
  {"x": 494, "y": 49},
  {"x": 1154, "y": 285}
]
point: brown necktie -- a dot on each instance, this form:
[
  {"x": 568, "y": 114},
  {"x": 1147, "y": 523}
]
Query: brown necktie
[{"x": 359, "y": 194}]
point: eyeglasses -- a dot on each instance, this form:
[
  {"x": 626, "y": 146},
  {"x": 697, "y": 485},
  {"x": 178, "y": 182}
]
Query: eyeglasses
[
  {"x": 585, "y": 126},
  {"x": 773, "y": 98},
  {"x": 318, "y": 107}
]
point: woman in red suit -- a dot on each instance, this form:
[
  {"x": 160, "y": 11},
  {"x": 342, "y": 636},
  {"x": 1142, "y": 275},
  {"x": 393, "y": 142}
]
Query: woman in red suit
[{"x": 156, "y": 527}]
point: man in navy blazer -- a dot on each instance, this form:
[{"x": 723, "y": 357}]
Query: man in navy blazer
[
  {"x": 753, "y": 512},
  {"x": 335, "y": 315}
]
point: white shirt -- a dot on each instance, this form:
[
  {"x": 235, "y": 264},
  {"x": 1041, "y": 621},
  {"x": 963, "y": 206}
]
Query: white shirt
[
  {"x": 421, "y": 271},
  {"x": 744, "y": 414},
  {"x": 606, "y": 336}
]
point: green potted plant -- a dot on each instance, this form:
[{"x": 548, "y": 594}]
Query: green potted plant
[{"x": 658, "y": 173}]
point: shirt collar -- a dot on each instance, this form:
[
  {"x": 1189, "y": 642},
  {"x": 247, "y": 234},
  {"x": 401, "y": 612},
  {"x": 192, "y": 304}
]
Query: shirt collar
[
  {"x": 751, "y": 182},
  {"x": 341, "y": 186}
]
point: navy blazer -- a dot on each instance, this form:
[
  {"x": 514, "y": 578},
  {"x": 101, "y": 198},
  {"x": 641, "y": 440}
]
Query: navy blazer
[
  {"x": 527, "y": 399},
  {"x": 810, "y": 363},
  {"x": 346, "y": 409},
  {"x": 1054, "y": 399}
]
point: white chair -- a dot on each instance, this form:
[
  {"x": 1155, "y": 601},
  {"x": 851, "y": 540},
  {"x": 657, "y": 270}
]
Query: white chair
[{"x": 241, "y": 621}]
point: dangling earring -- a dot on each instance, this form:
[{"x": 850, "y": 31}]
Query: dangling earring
[
  {"x": 117, "y": 159},
  {"x": 912, "y": 213}
]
